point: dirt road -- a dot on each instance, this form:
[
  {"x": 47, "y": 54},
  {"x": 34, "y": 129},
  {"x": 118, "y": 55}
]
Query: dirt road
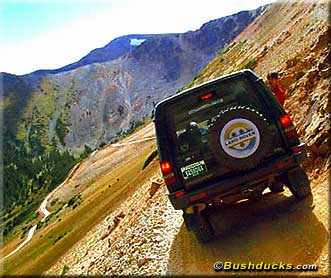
[
  {"x": 44, "y": 211},
  {"x": 277, "y": 228},
  {"x": 133, "y": 142},
  {"x": 28, "y": 238},
  {"x": 80, "y": 174},
  {"x": 43, "y": 206},
  {"x": 152, "y": 238},
  {"x": 101, "y": 163}
]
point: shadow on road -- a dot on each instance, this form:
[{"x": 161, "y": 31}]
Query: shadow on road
[{"x": 276, "y": 228}]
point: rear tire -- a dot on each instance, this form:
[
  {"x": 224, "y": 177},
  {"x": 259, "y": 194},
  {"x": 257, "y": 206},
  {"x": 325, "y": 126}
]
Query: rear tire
[
  {"x": 302, "y": 192},
  {"x": 298, "y": 183}
]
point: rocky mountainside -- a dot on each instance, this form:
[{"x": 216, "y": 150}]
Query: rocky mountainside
[
  {"x": 99, "y": 102},
  {"x": 291, "y": 38},
  {"x": 113, "y": 50},
  {"x": 52, "y": 121},
  {"x": 136, "y": 231}
]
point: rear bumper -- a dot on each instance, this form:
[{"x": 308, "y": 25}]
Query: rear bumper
[{"x": 236, "y": 185}]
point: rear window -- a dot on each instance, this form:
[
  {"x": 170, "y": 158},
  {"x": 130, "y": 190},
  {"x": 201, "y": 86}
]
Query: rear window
[
  {"x": 204, "y": 105},
  {"x": 190, "y": 117}
]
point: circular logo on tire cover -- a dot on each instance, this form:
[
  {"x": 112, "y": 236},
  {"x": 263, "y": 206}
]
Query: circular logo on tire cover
[{"x": 240, "y": 138}]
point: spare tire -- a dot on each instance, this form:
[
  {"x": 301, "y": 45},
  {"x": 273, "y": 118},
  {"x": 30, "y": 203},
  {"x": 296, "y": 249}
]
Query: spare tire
[{"x": 239, "y": 137}]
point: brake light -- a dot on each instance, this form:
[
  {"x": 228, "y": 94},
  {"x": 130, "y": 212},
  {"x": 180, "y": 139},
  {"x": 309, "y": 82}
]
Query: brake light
[
  {"x": 285, "y": 121},
  {"x": 179, "y": 194},
  {"x": 166, "y": 167},
  {"x": 206, "y": 96},
  {"x": 297, "y": 149},
  {"x": 168, "y": 175},
  {"x": 288, "y": 126}
]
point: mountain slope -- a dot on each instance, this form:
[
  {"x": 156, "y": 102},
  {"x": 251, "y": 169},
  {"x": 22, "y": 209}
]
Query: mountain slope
[
  {"x": 301, "y": 56},
  {"x": 145, "y": 236},
  {"x": 295, "y": 45},
  {"x": 113, "y": 50},
  {"x": 98, "y": 102},
  {"x": 52, "y": 121}
]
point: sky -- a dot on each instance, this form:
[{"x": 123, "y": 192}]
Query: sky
[{"x": 49, "y": 34}]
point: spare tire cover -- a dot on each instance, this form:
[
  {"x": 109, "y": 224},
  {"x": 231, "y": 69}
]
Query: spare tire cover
[{"x": 239, "y": 138}]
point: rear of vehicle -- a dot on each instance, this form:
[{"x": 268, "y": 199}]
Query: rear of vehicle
[{"x": 226, "y": 140}]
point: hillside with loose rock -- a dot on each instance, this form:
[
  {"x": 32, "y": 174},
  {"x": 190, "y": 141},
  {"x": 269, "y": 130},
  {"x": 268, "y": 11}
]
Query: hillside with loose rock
[
  {"x": 144, "y": 235},
  {"x": 149, "y": 236}
]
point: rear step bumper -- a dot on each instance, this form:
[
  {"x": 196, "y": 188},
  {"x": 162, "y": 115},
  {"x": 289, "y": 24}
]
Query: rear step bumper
[{"x": 220, "y": 189}]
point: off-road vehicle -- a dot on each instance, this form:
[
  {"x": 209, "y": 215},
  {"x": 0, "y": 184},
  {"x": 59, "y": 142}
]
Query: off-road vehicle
[{"x": 223, "y": 141}]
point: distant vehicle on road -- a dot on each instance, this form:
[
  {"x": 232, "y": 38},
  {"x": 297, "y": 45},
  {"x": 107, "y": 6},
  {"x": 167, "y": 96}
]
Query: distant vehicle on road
[{"x": 224, "y": 141}]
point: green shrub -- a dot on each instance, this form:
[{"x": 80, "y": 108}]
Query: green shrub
[
  {"x": 74, "y": 201},
  {"x": 53, "y": 202},
  {"x": 103, "y": 144},
  {"x": 61, "y": 130},
  {"x": 65, "y": 270},
  {"x": 60, "y": 236},
  {"x": 86, "y": 152},
  {"x": 250, "y": 64}
]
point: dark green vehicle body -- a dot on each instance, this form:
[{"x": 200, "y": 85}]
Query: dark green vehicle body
[{"x": 243, "y": 143}]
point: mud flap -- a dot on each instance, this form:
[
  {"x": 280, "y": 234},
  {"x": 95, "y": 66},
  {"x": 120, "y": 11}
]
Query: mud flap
[
  {"x": 200, "y": 225},
  {"x": 188, "y": 220}
]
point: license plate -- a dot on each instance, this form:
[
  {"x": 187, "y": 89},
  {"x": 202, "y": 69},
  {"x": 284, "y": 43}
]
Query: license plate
[{"x": 194, "y": 170}]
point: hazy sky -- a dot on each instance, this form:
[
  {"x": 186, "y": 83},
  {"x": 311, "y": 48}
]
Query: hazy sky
[{"x": 52, "y": 33}]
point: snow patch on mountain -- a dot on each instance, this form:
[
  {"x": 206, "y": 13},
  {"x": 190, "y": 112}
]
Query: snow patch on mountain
[{"x": 136, "y": 42}]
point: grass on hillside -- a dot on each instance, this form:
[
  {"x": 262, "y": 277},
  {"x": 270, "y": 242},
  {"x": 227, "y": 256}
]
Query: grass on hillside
[{"x": 51, "y": 242}]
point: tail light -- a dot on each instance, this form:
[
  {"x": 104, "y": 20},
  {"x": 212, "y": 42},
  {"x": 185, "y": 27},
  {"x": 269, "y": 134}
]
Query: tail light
[
  {"x": 297, "y": 149},
  {"x": 180, "y": 194},
  {"x": 288, "y": 126},
  {"x": 168, "y": 174},
  {"x": 285, "y": 121},
  {"x": 206, "y": 96}
]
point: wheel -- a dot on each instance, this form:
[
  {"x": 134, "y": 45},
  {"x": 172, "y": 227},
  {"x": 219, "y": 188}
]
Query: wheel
[
  {"x": 301, "y": 192},
  {"x": 239, "y": 138},
  {"x": 276, "y": 187},
  {"x": 298, "y": 183},
  {"x": 200, "y": 226}
]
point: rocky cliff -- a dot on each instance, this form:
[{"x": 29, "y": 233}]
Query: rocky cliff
[
  {"x": 291, "y": 38},
  {"x": 134, "y": 230}
]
